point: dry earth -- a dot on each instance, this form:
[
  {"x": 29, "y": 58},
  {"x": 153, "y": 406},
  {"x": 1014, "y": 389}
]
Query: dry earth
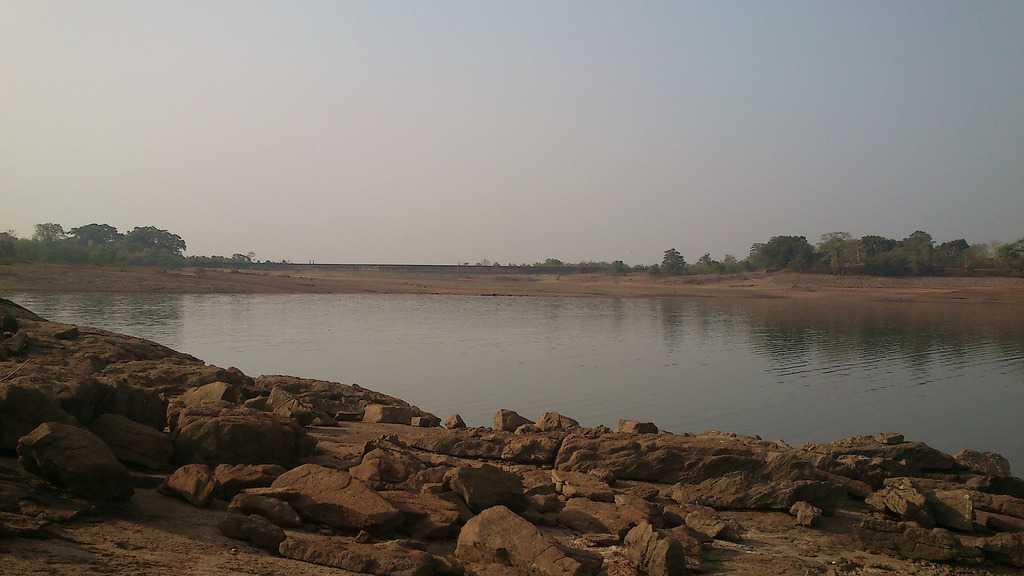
[{"x": 64, "y": 278}]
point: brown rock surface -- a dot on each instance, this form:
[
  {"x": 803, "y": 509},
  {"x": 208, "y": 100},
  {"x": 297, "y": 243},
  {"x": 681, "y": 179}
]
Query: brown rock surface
[
  {"x": 134, "y": 443},
  {"x": 76, "y": 459}
]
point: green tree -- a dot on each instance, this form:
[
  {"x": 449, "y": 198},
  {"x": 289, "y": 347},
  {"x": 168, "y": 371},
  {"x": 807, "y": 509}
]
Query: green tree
[
  {"x": 95, "y": 234},
  {"x": 156, "y": 239},
  {"x": 918, "y": 248},
  {"x": 872, "y": 246},
  {"x": 793, "y": 252},
  {"x": 49, "y": 232},
  {"x": 673, "y": 262},
  {"x": 952, "y": 253},
  {"x": 619, "y": 267},
  {"x": 840, "y": 250}
]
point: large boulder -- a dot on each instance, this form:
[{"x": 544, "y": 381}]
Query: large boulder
[
  {"x": 485, "y": 487},
  {"x": 428, "y": 516},
  {"x": 284, "y": 403},
  {"x": 582, "y": 485},
  {"x": 238, "y": 436},
  {"x": 165, "y": 371},
  {"x": 331, "y": 397},
  {"x": 552, "y": 421},
  {"x": 987, "y": 463},
  {"x": 386, "y": 559},
  {"x": 87, "y": 398},
  {"x": 335, "y": 498},
  {"x": 212, "y": 392},
  {"x": 636, "y": 427},
  {"x": 913, "y": 457},
  {"x": 22, "y": 409},
  {"x": 231, "y": 479},
  {"x": 508, "y": 420},
  {"x": 277, "y": 511},
  {"x": 256, "y": 530},
  {"x": 382, "y": 414},
  {"x": 192, "y": 483},
  {"x": 134, "y": 443},
  {"x": 498, "y": 536},
  {"x": 481, "y": 444},
  {"x": 384, "y": 468},
  {"x": 653, "y": 554},
  {"x": 454, "y": 422},
  {"x": 661, "y": 458},
  {"x": 75, "y": 459},
  {"x": 588, "y": 516},
  {"x": 906, "y": 503}
]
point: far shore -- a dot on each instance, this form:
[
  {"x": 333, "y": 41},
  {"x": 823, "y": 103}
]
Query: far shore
[{"x": 126, "y": 279}]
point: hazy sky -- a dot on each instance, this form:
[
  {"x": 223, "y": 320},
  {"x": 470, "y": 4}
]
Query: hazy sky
[{"x": 451, "y": 131}]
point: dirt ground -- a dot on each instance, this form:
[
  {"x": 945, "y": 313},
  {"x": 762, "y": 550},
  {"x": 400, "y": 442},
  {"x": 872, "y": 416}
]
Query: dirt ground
[{"x": 65, "y": 278}]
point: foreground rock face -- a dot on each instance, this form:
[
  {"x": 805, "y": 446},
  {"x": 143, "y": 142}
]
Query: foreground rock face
[
  {"x": 255, "y": 529},
  {"x": 334, "y": 498},
  {"x": 653, "y": 554},
  {"x": 22, "y": 408},
  {"x": 76, "y": 459},
  {"x": 220, "y": 435},
  {"x": 134, "y": 443},
  {"x": 192, "y": 483},
  {"x": 485, "y": 487},
  {"x": 376, "y": 559},
  {"x": 498, "y": 536}
]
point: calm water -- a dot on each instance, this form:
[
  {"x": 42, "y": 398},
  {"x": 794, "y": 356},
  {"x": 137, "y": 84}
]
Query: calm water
[{"x": 949, "y": 374}]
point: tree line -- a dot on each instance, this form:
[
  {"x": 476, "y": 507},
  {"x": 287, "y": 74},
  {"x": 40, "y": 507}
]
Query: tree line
[
  {"x": 105, "y": 244},
  {"x": 840, "y": 253},
  {"x": 837, "y": 253}
]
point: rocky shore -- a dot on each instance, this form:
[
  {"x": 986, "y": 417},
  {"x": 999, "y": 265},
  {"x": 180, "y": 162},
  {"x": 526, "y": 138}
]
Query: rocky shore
[{"x": 121, "y": 456}]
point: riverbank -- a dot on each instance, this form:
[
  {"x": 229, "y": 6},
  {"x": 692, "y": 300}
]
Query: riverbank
[
  {"x": 68, "y": 278},
  {"x": 287, "y": 475}
]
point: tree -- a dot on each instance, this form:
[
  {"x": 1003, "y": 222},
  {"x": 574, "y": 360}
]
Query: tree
[
  {"x": 552, "y": 262},
  {"x": 8, "y": 243},
  {"x": 792, "y": 252},
  {"x": 918, "y": 248},
  {"x": 840, "y": 250},
  {"x": 673, "y": 262},
  {"x": 619, "y": 267},
  {"x": 49, "y": 232},
  {"x": 95, "y": 234},
  {"x": 156, "y": 239},
  {"x": 952, "y": 253}
]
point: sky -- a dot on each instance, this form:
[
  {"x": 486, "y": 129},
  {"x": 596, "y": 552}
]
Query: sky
[{"x": 451, "y": 131}]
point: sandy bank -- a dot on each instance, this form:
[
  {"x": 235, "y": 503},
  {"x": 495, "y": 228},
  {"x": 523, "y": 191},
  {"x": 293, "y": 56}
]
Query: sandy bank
[{"x": 64, "y": 278}]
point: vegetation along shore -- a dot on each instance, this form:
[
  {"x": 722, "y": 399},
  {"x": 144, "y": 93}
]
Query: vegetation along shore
[{"x": 120, "y": 455}]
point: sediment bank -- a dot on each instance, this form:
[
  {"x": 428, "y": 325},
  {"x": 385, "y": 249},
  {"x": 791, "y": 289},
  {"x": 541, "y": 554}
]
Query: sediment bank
[{"x": 65, "y": 278}]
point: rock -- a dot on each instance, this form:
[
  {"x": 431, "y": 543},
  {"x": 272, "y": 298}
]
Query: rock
[
  {"x": 65, "y": 331},
  {"x": 259, "y": 404},
  {"x": 333, "y": 497},
  {"x": 998, "y": 522},
  {"x": 508, "y": 421},
  {"x": 934, "y": 545},
  {"x": 22, "y": 409},
  {"x": 480, "y": 444},
  {"x": 277, "y": 511},
  {"x": 254, "y": 529},
  {"x": 661, "y": 458},
  {"x": 75, "y": 459},
  {"x": 1006, "y": 548},
  {"x": 499, "y": 536},
  {"x": 425, "y": 421},
  {"x": 806, "y": 514},
  {"x": 286, "y": 404},
  {"x": 381, "y": 414},
  {"x": 383, "y": 468},
  {"x": 911, "y": 457},
  {"x": 581, "y": 485},
  {"x": 987, "y": 463},
  {"x": 907, "y": 503},
  {"x": 454, "y": 422},
  {"x": 231, "y": 479},
  {"x": 16, "y": 345},
  {"x": 585, "y": 516},
  {"x": 218, "y": 436},
  {"x": 752, "y": 491},
  {"x": 134, "y": 443},
  {"x": 192, "y": 483},
  {"x": 635, "y": 427},
  {"x": 708, "y": 523},
  {"x": 151, "y": 366},
  {"x": 8, "y": 323},
  {"x": 21, "y": 526},
  {"x": 212, "y": 392},
  {"x": 653, "y": 554},
  {"x": 428, "y": 516},
  {"x": 385, "y": 559},
  {"x": 135, "y": 403},
  {"x": 889, "y": 438},
  {"x": 485, "y": 487},
  {"x": 952, "y": 509},
  {"x": 552, "y": 421}
]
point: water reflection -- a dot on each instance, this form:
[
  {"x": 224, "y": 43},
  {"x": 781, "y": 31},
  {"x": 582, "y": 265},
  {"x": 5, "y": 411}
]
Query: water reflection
[{"x": 800, "y": 370}]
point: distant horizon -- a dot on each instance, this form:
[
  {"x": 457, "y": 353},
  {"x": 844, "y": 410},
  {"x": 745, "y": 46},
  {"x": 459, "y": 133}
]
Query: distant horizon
[{"x": 387, "y": 132}]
